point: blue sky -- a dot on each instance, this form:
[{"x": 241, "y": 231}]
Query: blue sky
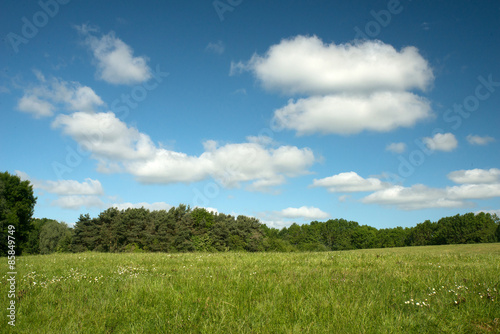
[{"x": 382, "y": 112}]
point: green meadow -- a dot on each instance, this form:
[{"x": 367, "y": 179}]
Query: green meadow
[{"x": 431, "y": 289}]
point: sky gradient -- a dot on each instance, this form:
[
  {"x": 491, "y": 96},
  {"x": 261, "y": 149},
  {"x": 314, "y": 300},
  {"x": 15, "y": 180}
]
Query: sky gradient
[{"x": 381, "y": 112}]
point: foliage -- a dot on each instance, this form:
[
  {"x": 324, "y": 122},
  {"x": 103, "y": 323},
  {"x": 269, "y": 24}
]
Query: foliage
[
  {"x": 17, "y": 204},
  {"x": 54, "y": 237}
]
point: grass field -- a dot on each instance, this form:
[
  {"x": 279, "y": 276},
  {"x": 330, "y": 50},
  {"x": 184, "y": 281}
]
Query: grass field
[{"x": 435, "y": 289}]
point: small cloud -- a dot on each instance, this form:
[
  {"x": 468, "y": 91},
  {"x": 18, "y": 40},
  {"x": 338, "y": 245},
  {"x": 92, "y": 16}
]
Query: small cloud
[
  {"x": 349, "y": 182},
  {"x": 396, "y": 147},
  {"x": 478, "y": 140},
  {"x": 217, "y": 48},
  {"x": 65, "y": 187},
  {"x": 33, "y": 105},
  {"x": 74, "y": 202},
  {"x": 475, "y": 176},
  {"x": 343, "y": 198},
  {"x": 304, "y": 212},
  {"x": 115, "y": 59},
  {"x": 242, "y": 91},
  {"x": 441, "y": 142}
]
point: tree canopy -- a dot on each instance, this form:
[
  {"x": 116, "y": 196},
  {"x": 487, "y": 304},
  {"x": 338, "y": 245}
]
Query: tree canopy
[{"x": 17, "y": 204}]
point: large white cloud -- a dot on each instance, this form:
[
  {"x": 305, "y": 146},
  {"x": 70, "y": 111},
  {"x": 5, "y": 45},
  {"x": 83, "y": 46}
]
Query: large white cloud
[
  {"x": 119, "y": 147},
  {"x": 115, "y": 60},
  {"x": 41, "y": 100},
  {"x": 349, "y": 88},
  {"x": 304, "y": 64},
  {"x": 350, "y": 114},
  {"x": 349, "y": 182}
]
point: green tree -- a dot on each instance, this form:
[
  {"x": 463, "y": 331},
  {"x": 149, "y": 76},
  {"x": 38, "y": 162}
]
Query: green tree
[
  {"x": 33, "y": 243},
  {"x": 54, "y": 237},
  {"x": 17, "y": 204}
]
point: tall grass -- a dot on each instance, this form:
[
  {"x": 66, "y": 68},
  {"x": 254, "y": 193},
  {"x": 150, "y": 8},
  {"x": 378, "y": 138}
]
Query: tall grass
[{"x": 435, "y": 289}]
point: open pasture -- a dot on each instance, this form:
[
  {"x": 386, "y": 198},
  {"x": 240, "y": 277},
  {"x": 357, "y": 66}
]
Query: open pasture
[{"x": 432, "y": 289}]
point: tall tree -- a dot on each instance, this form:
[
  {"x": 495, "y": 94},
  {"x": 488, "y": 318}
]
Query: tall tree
[
  {"x": 17, "y": 204},
  {"x": 54, "y": 237}
]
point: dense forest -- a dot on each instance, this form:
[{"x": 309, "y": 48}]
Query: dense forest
[{"x": 185, "y": 229}]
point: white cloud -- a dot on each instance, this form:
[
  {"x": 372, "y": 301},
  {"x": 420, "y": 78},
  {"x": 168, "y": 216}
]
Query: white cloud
[
  {"x": 474, "y": 191},
  {"x": 413, "y": 198},
  {"x": 75, "y": 202},
  {"x": 349, "y": 182},
  {"x": 156, "y": 206},
  {"x": 72, "y": 187},
  {"x": 475, "y": 176},
  {"x": 41, "y": 99},
  {"x": 396, "y": 147},
  {"x": 106, "y": 136},
  {"x": 350, "y": 87},
  {"x": 65, "y": 187},
  {"x": 119, "y": 147},
  {"x": 475, "y": 184},
  {"x": 304, "y": 212},
  {"x": 33, "y": 105},
  {"x": 276, "y": 223},
  {"x": 306, "y": 65},
  {"x": 71, "y": 194},
  {"x": 116, "y": 63},
  {"x": 441, "y": 142},
  {"x": 350, "y": 114},
  {"x": 217, "y": 48},
  {"x": 478, "y": 140}
]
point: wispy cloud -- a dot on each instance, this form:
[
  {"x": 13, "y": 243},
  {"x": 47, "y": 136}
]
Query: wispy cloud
[
  {"x": 479, "y": 140},
  {"x": 217, "y": 48},
  {"x": 43, "y": 99}
]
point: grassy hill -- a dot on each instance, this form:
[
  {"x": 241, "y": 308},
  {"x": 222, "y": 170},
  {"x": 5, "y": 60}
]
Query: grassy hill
[{"x": 432, "y": 289}]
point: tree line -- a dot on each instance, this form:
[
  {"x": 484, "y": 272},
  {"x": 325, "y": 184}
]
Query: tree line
[{"x": 185, "y": 229}]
